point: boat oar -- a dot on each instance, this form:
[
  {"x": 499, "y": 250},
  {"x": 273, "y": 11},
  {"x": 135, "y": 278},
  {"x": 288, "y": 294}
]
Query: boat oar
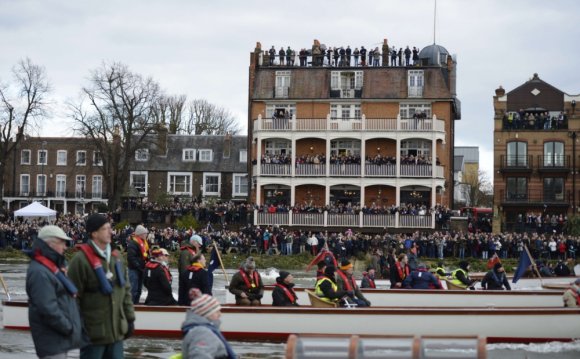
[
  {"x": 217, "y": 251},
  {"x": 5, "y": 287}
]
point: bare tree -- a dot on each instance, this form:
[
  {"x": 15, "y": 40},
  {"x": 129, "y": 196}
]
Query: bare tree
[
  {"x": 117, "y": 113},
  {"x": 169, "y": 110},
  {"x": 204, "y": 118},
  {"x": 23, "y": 102},
  {"x": 478, "y": 189}
]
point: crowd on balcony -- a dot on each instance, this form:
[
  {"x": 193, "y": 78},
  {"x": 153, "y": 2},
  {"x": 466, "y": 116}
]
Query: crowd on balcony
[
  {"x": 523, "y": 120},
  {"x": 341, "y": 56},
  {"x": 378, "y": 159},
  {"x": 541, "y": 222},
  {"x": 312, "y": 159},
  {"x": 344, "y": 159},
  {"x": 279, "y": 159}
]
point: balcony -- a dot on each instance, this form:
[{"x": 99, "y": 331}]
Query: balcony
[
  {"x": 349, "y": 124},
  {"x": 516, "y": 163},
  {"x": 348, "y": 170},
  {"x": 346, "y": 93},
  {"x": 360, "y": 220},
  {"x": 345, "y": 169},
  {"x": 386, "y": 170},
  {"x": 274, "y": 169},
  {"x": 57, "y": 195},
  {"x": 309, "y": 169},
  {"x": 554, "y": 163},
  {"x": 538, "y": 198}
]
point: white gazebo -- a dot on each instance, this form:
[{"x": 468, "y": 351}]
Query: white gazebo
[{"x": 36, "y": 210}]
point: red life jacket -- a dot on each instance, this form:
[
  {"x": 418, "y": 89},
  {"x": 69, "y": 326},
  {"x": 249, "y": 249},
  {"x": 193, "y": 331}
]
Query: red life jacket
[
  {"x": 402, "y": 274},
  {"x": 290, "y": 294},
  {"x": 58, "y": 272},
  {"x": 250, "y": 285},
  {"x": 143, "y": 246},
  {"x": 95, "y": 262},
  {"x": 153, "y": 265},
  {"x": 371, "y": 281},
  {"x": 349, "y": 284},
  {"x": 191, "y": 250}
]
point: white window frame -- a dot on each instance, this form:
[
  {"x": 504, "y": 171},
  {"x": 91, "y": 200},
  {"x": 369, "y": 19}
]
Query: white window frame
[
  {"x": 415, "y": 83},
  {"x": 41, "y": 184},
  {"x": 60, "y": 192},
  {"x": 39, "y": 154},
  {"x": 61, "y": 157},
  {"x": 22, "y": 159},
  {"x": 80, "y": 186},
  {"x": 97, "y": 155},
  {"x": 24, "y": 184},
  {"x": 282, "y": 84},
  {"x": 203, "y": 155},
  {"x": 237, "y": 180},
  {"x": 205, "y": 184},
  {"x": 346, "y": 80},
  {"x": 188, "y": 182},
  {"x": 188, "y": 155},
  {"x": 145, "y": 185},
  {"x": 142, "y": 154},
  {"x": 244, "y": 156},
  {"x": 345, "y": 146},
  {"x": 97, "y": 186},
  {"x": 79, "y": 155},
  {"x": 276, "y": 146},
  {"x": 345, "y": 111},
  {"x": 271, "y": 108},
  {"x": 407, "y": 110}
]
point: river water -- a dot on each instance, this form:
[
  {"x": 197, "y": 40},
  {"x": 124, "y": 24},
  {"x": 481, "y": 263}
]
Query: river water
[{"x": 18, "y": 344}]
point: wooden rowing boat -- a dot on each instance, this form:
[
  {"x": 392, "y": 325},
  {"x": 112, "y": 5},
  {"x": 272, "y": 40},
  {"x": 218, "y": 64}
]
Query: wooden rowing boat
[
  {"x": 440, "y": 298},
  {"x": 266, "y": 323}
]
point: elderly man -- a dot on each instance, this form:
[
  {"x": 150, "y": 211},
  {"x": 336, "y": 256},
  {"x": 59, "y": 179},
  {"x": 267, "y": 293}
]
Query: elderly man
[
  {"x": 247, "y": 284},
  {"x": 137, "y": 257},
  {"x": 53, "y": 313},
  {"x": 104, "y": 292},
  {"x": 346, "y": 282}
]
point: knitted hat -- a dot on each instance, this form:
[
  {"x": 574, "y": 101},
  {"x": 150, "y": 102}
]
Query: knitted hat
[
  {"x": 345, "y": 264},
  {"x": 202, "y": 304},
  {"x": 141, "y": 230},
  {"x": 282, "y": 275},
  {"x": 497, "y": 266},
  {"x": 94, "y": 222}
]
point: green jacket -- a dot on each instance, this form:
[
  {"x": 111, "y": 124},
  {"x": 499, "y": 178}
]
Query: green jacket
[{"x": 105, "y": 317}]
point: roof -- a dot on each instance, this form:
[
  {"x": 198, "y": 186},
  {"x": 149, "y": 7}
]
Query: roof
[
  {"x": 458, "y": 163},
  {"x": 432, "y": 55},
  {"x": 173, "y": 161},
  {"x": 470, "y": 153}
]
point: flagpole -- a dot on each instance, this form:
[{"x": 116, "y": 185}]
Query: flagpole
[
  {"x": 534, "y": 266},
  {"x": 5, "y": 287},
  {"x": 215, "y": 248}
]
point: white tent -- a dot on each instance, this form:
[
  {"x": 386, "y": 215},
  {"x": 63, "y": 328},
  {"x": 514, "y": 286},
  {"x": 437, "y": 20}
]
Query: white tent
[{"x": 35, "y": 209}]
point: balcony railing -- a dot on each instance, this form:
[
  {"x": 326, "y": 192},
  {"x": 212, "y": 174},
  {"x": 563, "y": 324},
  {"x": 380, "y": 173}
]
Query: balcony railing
[
  {"x": 386, "y": 170},
  {"x": 71, "y": 195},
  {"x": 516, "y": 162},
  {"x": 349, "y": 124},
  {"x": 359, "y": 220},
  {"x": 345, "y": 169},
  {"x": 554, "y": 162},
  {"x": 348, "y": 170},
  {"x": 539, "y": 197}
]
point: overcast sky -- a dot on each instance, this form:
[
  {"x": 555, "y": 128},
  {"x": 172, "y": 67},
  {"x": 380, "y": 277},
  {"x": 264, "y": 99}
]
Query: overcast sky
[{"x": 201, "y": 48}]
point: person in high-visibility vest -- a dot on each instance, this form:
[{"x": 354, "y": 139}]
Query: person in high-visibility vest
[
  {"x": 326, "y": 288},
  {"x": 460, "y": 276}
]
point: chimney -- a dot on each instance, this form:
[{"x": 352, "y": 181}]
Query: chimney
[
  {"x": 227, "y": 145},
  {"x": 162, "y": 139}
]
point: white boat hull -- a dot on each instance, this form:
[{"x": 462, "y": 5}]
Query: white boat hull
[{"x": 266, "y": 323}]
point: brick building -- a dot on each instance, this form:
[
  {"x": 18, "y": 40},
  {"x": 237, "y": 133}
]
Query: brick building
[
  {"x": 352, "y": 136},
  {"x": 62, "y": 172},
  {"x": 535, "y": 130}
]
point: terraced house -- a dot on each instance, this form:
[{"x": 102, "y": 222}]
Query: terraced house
[{"x": 345, "y": 145}]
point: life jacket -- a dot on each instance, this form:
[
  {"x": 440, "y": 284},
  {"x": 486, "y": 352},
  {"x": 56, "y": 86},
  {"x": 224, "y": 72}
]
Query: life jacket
[
  {"x": 195, "y": 267},
  {"x": 440, "y": 272},
  {"x": 143, "y": 246},
  {"x": 320, "y": 293},
  {"x": 574, "y": 294},
  {"x": 370, "y": 280},
  {"x": 349, "y": 284},
  {"x": 455, "y": 280},
  {"x": 250, "y": 284},
  {"x": 289, "y": 293},
  {"x": 95, "y": 262},
  {"x": 190, "y": 249},
  {"x": 59, "y": 273},
  {"x": 402, "y": 274},
  {"x": 149, "y": 266}
]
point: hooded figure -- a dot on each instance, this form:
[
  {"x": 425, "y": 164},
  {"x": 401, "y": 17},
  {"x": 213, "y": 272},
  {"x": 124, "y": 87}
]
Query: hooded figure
[
  {"x": 283, "y": 295},
  {"x": 496, "y": 279}
]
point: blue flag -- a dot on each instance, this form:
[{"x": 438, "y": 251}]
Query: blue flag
[
  {"x": 214, "y": 263},
  {"x": 523, "y": 265}
]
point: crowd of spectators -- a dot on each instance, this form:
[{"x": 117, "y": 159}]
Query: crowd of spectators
[
  {"x": 528, "y": 120},
  {"x": 378, "y": 159},
  {"x": 340, "y": 56}
]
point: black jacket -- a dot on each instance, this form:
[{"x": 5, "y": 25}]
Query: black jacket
[
  {"x": 495, "y": 281},
  {"x": 192, "y": 279},
  {"x": 135, "y": 259},
  {"x": 158, "y": 285},
  {"x": 53, "y": 313},
  {"x": 280, "y": 298}
]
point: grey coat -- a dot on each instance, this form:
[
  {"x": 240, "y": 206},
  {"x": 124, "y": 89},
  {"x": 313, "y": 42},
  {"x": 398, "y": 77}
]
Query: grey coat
[
  {"x": 200, "y": 342},
  {"x": 53, "y": 313}
]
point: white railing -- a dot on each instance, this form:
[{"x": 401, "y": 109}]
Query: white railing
[
  {"x": 415, "y": 91},
  {"x": 406, "y": 221},
  {"x": 344, "y": 220},
  {"x": 269, "y": 219},
  {"x": 378, "y": 220},
  {"x": 416, "y": 170},
  {"x": 350, "y": 124},
  {"x": 345, "y": 169},
  {"x": 273, "y": 169},
  {"x": 307, "y": 169},
  {"x": 308, "y": 219},
  {"x": 386, "y": 170}
]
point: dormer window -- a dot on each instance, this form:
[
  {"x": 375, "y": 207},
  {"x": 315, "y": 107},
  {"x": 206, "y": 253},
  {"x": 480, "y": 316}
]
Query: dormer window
[
  {"x": 188, "y": 155},
  {"x": 205, "y": 155},
  {"x": 346, "y": 84},
  {"x": 142, "y": 154}
]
